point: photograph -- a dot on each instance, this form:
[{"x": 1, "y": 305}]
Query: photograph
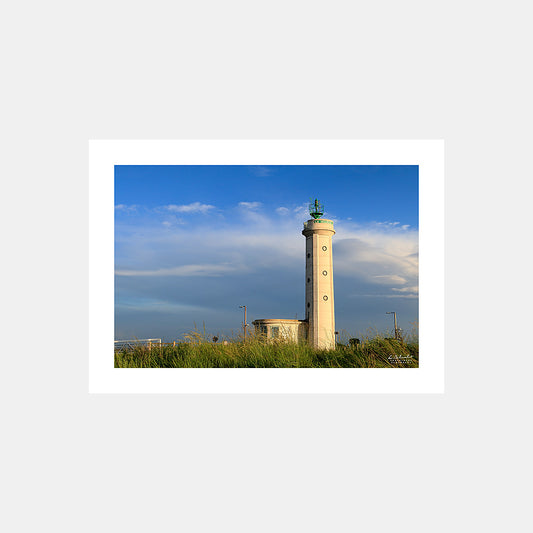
[{"x": 266, "y": 266}]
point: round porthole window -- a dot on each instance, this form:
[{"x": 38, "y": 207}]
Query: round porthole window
[
  {"x": 308, "y": 255},
  {"x": 324, "y": 272},
  {"x": 325, "y": 298},
  {"x": 308, "y": 280},
  {"x": 324, "y": 248}
]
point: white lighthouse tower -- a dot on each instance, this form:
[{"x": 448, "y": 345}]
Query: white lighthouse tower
[
  {"x": 318, "y": 328},
  {"x": 319, "y": 300}
]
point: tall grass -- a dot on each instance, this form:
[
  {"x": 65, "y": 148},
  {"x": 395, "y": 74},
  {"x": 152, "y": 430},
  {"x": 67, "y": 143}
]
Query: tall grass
[{"x": 198, "y": 352}]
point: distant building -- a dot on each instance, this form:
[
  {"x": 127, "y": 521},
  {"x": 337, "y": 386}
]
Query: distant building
[{"x": 318, "y": 328}]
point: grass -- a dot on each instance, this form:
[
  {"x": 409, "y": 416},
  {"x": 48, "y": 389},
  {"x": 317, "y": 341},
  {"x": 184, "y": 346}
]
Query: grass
[{"x": 197, "y": 352}]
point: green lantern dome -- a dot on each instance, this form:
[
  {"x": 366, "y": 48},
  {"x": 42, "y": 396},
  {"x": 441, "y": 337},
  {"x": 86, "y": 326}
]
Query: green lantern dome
[{"x": 316, "y": 209}]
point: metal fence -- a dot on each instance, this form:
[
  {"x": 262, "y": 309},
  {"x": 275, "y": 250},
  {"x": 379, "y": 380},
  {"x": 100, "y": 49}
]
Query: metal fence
[{"x": 131, "y": 344}]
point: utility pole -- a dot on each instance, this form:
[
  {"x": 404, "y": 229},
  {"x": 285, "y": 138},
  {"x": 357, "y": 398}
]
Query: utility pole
[
  {"x": 244, "y": 323},
  {"x": 396, "y": 330}
]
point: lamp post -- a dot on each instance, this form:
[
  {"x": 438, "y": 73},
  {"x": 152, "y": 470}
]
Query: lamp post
[
  {"x": 244, "y": 323},
  {"x": 396, "y": 331}
]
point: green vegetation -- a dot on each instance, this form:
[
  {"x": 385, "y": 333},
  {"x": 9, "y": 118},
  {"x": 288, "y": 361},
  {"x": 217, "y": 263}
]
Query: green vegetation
[{"x": 198, "y": 352}]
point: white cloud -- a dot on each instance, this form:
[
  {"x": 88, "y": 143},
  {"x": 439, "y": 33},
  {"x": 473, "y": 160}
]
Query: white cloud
[
  {"x": 410, "y": 295},
  {"x": 252, "y": 214},
  {"x": 413, "y": 290},
  {"x": 282, "y": 211},
  {"x": 250, "y": 205},
  {"x": 126, "y": 208},
  {"x": 184, "y": 270},
  {"x": 195, "y": 207},
  {"x": 158, "y": 305},
  {"x": 390, "y": 278},
  {"x": 380, "y": 254},
  {"x": 172, "y": 221}
]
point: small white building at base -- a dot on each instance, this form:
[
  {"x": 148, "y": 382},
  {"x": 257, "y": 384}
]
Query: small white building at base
[{"x": 291, "y": 330}]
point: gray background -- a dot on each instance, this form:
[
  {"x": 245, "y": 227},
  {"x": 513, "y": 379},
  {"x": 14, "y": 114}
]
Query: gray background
[{"x": 74, "y": 71}]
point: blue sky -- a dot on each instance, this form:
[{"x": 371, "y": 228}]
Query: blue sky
[{"x": 192, "y": 243}]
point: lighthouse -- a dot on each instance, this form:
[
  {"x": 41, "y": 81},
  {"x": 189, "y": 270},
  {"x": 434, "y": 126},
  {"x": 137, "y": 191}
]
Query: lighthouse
[
  {"x": 318, "y": 327},
  {"x": 319, "y": 298}
]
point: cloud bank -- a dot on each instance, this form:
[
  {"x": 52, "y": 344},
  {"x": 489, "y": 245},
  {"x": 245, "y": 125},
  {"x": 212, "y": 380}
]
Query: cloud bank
[
  {"x": 195, "y": 207},
  {"x": 210, "y": 261}
]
